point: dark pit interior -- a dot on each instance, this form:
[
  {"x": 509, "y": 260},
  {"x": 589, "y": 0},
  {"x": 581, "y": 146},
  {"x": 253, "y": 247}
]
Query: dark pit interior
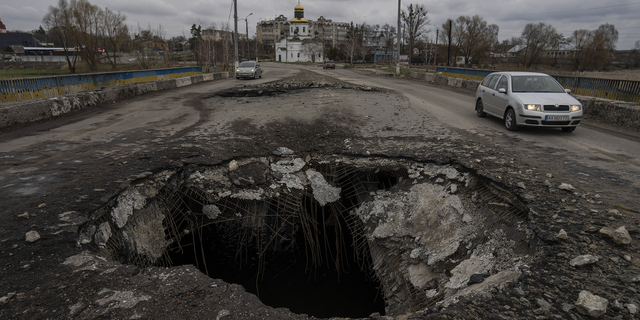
[{"x": 299, "y": 255}]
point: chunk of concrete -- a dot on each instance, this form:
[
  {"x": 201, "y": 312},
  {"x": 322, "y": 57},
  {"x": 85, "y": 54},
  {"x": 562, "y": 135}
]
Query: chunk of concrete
[
  {"x": 591, "y": 305},
  {"x": 323, "y": 192}
]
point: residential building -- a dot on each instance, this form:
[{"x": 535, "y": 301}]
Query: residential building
[
  {"x": 215, "y": 35},
  {"x": 330, "y": 33}
]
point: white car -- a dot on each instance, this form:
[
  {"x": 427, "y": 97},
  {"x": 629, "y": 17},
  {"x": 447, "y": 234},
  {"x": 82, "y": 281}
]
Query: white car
[
  {"x": 528, "y": 99},
  {"x": 249, "y": 69}
]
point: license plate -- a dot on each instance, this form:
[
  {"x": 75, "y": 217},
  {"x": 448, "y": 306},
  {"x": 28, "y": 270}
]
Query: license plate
[{"x": 557, "y": 118}]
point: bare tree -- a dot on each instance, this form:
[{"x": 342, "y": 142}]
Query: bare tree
[
  {"x": 473, "y": 37},
  {"x": 415, "y": 19},
  {"x": 389, "y": 32},
  {"x": 537, "y": 38},
  {"x": 87, "y": 17},
  {"x": 610, "y": 34},
  {"x": 312, "y": 49},
  {"x": 593, "y": 48},
  {"x": 354, "y": 40},
  {"x": 59, "y": 22},
  {"x": 114, "y": 32}
]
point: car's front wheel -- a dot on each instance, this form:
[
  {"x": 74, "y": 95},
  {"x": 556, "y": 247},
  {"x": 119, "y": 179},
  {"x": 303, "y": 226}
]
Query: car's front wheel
[
  {"x": 510, "y": 120},
  {"x": 480, "y": 109},
  {"x": 568, "y": 129}
]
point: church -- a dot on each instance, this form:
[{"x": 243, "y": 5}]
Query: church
[{"x": 300, "y": 45}]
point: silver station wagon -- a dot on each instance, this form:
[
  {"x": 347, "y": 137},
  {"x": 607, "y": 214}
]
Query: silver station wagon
[{"x": 528, "y": 99}]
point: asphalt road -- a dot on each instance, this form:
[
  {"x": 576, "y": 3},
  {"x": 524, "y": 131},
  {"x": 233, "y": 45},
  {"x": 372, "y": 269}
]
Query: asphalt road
[{"x": 605, "y": 158}]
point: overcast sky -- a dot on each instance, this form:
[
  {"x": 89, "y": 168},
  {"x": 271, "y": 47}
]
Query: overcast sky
[{"x": 177, "y": 16}]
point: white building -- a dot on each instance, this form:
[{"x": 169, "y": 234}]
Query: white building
[{"x": 300, "y": 45}]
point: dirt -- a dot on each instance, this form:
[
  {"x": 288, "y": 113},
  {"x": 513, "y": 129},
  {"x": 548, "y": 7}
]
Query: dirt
[{"x": 60, "y": 183}]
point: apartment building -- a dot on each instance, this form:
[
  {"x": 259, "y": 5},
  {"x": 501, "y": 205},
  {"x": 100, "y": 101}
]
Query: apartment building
[{"x": 331, "y": 33}]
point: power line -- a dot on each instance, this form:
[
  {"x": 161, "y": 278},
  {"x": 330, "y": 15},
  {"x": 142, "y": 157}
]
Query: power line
[{"x": 550, "y": 12}]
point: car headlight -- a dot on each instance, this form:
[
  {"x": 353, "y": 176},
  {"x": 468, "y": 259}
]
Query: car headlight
[
  {"x": 533, "y": 107},
  {"x": 576, "y": 107},
  {"x": 252, "y": 70},
  {"x": 237, "y": 70}
]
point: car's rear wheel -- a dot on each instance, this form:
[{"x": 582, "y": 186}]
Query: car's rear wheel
[
  {"x": 510, "y": 120},
  {"x": 480, "y": 109},
  {"x": 568, "y": 129}
]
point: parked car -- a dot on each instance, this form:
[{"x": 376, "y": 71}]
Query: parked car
[
  {"x": 359, "y": 62},
  {"x": 249, "y": 69},
  {"x": 528, "y": 99},
  {"x": 329, "y": 64}
]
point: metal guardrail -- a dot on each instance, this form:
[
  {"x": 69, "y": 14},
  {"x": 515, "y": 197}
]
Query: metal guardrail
[
  {"x": 12, "y": 90},
  {"x": 621, "y": 90}
]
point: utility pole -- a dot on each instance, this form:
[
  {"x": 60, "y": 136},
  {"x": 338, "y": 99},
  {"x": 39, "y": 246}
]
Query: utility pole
[
  {"x": 235, "y": 37},
  {"x": 435, "y": 58},
  {"x": 247, "y": 25},
  {"x": 398, "y": 45},
  {"x": 449, "y": 50}
]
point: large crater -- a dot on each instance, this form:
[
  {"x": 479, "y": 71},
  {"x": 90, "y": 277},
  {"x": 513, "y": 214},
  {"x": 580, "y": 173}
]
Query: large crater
[{"x": 328, "y": 236}]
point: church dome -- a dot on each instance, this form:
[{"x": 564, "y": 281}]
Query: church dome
[{"x": 299, "y": 15}]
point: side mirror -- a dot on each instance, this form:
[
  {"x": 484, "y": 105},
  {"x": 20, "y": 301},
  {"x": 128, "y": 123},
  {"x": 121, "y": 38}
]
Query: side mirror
[
  {"x": 567, "y": 90},
  {"x": 502, "y": 90}
]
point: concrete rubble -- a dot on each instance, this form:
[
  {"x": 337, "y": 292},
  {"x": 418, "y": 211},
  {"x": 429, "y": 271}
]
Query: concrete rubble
[{"x": 429, "y": 233}]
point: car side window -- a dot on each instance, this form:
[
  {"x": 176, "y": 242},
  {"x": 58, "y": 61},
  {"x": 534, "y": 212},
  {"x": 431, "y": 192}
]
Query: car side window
[
  {"x": 502, "y": 83},
  {"x": 492, "y": 82},
  {"x": 486, "y": 80}
]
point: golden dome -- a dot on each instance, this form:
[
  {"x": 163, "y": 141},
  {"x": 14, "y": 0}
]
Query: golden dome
[{"x": 299, "y": 15}]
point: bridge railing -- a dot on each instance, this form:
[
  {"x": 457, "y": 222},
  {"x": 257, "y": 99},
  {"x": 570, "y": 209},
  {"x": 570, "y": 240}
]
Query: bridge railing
[
  {"x": 622, "y": 90},
  {"x": 12, "y": 90}
]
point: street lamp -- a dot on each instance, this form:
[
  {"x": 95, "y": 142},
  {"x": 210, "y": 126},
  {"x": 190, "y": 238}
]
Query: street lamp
[{"x": 247, "y": 25}]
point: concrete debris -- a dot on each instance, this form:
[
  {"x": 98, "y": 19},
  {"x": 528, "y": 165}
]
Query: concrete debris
[
  {"x": 323, "y": 192},
  {"x": 544, "y": 306},
  {"x": 292, "y": 181},
  {"x": 103, "y": 234},
  {"x": 24, "y": 215},
  {"x": 128, "y": 201},
  {"x": 211, "y": 211},
  {"x": 233, "y": 165},
  {"x": 32, "y": 236},
  {"x": 632, "y": 308},
  {"x": 283, "y": 151},
  {"x": 583, "y": 260},
  {"x": 420, "y": 275},
  {"x": 615, "y": 214},
  {"x": 566, "y": 186},
  {"x": 562, "y": 235},
  {"x": 619, "y": 235},
  {"x": 4, "y": 300},
  {"x": 461, "y": 274},
  {"x": 223, "y": 313},
  {"x": 288, "y": 166},
  {"x": 591, "y": 305}
]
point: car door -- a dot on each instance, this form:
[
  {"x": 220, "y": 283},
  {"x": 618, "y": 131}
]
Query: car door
[
  {"x": 489, "y": 94},
  {"x": 258, "y": 70},
  {"x": 500, "y": 99}
]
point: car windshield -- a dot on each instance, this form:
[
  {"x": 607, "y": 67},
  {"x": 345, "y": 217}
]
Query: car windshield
[
  {"x": 247, "y": 64},
  {"x": 535, "y": 84},
  {"x": 329, "y": 61}
]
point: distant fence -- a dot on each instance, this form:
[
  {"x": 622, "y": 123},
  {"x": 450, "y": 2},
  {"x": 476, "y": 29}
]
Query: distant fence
[
  {"x": 622, "y": 90},
  {"x": 45, "y": 87}
]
